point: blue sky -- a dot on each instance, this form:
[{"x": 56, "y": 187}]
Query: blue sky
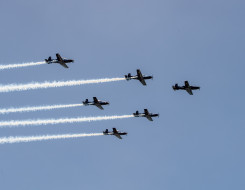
[{"x": 198, "y": 141}]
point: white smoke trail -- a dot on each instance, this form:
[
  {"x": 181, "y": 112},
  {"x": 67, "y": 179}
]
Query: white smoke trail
[
  {"x": 37, "y": 108},
  {"x": 17, "y": 139},
  {"x": 54, "y": 84},
  {"x": 59, "y": 121},
  {"x": 11, "y": 66}
]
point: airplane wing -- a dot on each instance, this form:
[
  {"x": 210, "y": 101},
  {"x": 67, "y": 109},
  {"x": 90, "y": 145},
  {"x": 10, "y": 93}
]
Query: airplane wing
[
  {"x": 147, "y": 115},
  {"x": 64, "y": 65},
  {"x": 189, "y": 91},
  {"x": 116, "y": 133},
  {"x": 187, "y": 84},
  {"x": 146, "y": 111},
  {"x": 141, "y": 78},
  {"x": 149, "y": 118},
  {"x": 59, "y": 58},
  {"x": 118, "y": 136},
  {"x": 95, "y": 100},
  {"x": 99, "y": 106},
  {"x": 61, "y": 61}
]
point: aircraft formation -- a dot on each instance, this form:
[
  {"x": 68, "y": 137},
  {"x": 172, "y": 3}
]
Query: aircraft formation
[{"x": 95, "y": 102}]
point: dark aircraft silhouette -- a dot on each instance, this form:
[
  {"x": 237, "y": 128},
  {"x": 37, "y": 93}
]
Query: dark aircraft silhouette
[
  {"x": 145, "y": 114},
  {"x": 139, "y": 77},
  {"x": 96, "y": 102},
  {"x": 60, "y": 60},
  {"x": 187, "y": 87},
  {"x": 114, "y": 132}
]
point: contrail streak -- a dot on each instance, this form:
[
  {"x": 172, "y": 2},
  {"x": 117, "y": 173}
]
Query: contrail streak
[
  {"x": 12, "y": 66},
  {"x": 20, "y": 139},
  {"x": 37, "y": 108},
  {"x": 54, "y": 84},
  {"x": 59, "y": 121}
]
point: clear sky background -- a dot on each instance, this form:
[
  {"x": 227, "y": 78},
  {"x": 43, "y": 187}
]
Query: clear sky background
[{"x": 198, "y": 141}]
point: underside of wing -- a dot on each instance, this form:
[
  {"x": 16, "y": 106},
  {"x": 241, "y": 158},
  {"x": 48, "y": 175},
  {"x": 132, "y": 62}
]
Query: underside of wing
[
  {"x": 140, "y": 77},
  {"x": 99, "y": 106},
  {"x": 149, "y": 118},
  {"x": 118, "y": 136},
  {"x": 189, "y": 91},
  {"x": 64, "y": 65},
  {"x": 142, "y": 80}
]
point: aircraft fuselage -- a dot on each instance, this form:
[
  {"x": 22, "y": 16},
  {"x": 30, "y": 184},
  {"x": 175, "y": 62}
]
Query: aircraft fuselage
[
  {"x": 112, "y": 133},
  {"x": 144, "y": 115},
  {"x": 138, "y": 78},
  {"x": 64, "y": 61},
  {"x": 92, "y": 103}
]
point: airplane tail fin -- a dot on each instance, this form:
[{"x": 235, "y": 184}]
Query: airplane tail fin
[
  {"x": 175, "y": 87},
  {"x": 48, "y": 60},
  {"x": 136, "y": 114},
  {"x": 128, "y": 77},
  {"x": 106, "y": 131},
  {"x": 85, "y": 102}
]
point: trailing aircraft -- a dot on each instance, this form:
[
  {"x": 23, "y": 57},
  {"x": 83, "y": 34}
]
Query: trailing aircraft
[
  {"x": 187, "y": 87},
  {"x": 60, "y": 60},
  {"x": 96, "y": 102},
  {"x": 145, "y": 114},
  {"x": 114, "y": 132},
  {"x": 139, "y": 77}
]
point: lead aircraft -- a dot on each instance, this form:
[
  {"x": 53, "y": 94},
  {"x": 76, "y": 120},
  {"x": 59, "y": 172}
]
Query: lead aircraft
[
  {"x": 60, "y": 60},
  {"x": 115, "y": 132},
  {"x": 145, "y": 114},
  {"x": 187, "y": 87},
  {"x": 139, "y": 77},
  {"x": 96, "y": 102}
]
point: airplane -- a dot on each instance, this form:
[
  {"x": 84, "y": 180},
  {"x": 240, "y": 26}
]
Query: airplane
[
  {"x": 96, "y": 102},
  {"x": 139, "y": 77},
  {"x": 60, "y": 60},
  {"x": 114, "y": 132},
  {"x": 145, "y": 114},
  {"x": 187, "y": 87}
]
